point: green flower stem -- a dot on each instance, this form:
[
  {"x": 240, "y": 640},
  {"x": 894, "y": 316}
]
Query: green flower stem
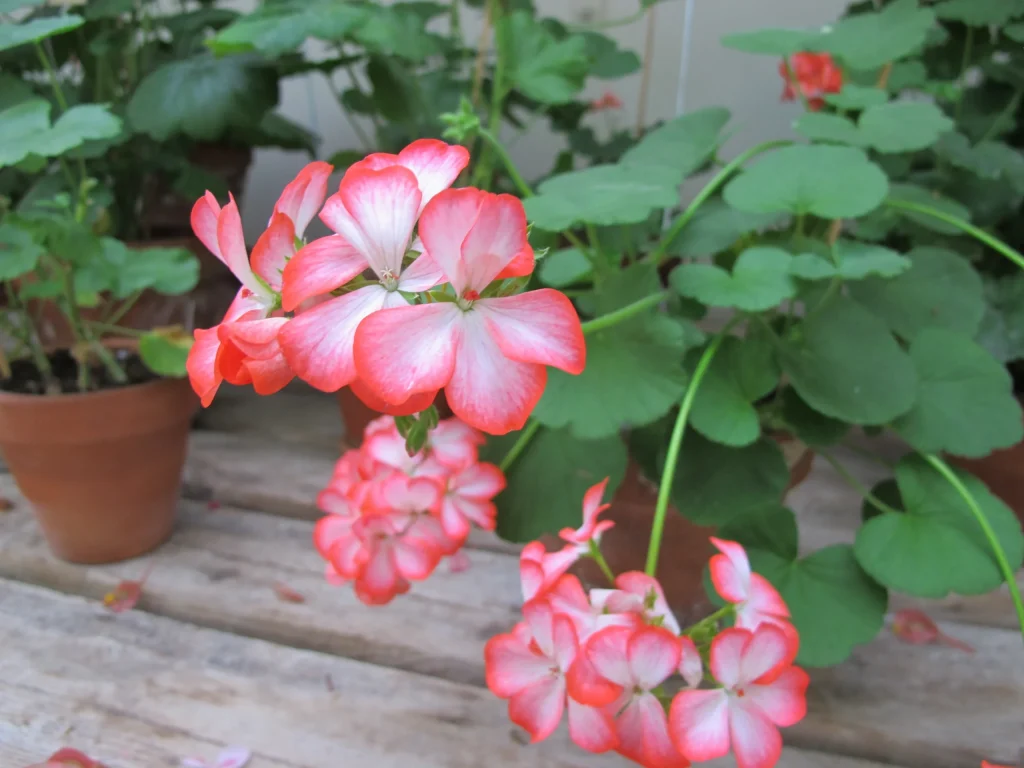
[
  {"x": 595, "y": 552},
  {"x": 709, "y": 189},
  {"x": 31, "y": 341},
  {"x": 623, "y": 314},
  {"x": 676, "y": 441},
  {"x": 1008, "y": 110},
  {"x": 482, "y": 175},
  {"x": 715, "y": 617},
  {"x": 964, "y": 66},
  {"x": 122, "y": 309},
  {"x": 120, "y": 330},
  {"x": 520, "y": 445},
  {"x": 979, "y": 234},
  {"x": 856, "y": 484},
  {"x": 1004, "y": 566}
]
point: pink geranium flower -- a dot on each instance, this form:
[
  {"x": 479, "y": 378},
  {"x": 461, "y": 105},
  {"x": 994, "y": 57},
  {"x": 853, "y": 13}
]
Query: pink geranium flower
[
  {"x": 244, "y": 348},
  {"x": 488, "y": 353},
  {"x": 373, "y": 213},
  {"x": 815, "y": 75},
  {"x": 636, "y": 592},
  {"x": 757, "y": 601},
  {"x": 760, "y": 692},
  {"x": 592, "y": 528},
  {"x": 468, "y": 499}
]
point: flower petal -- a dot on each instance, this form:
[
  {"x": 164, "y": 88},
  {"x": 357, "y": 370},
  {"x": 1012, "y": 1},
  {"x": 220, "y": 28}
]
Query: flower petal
[
  {"x": 522, "y": 264},
  {"x": 204, "y": 222},
  {"x": 436, "y": 164},
  {"x": 255, "y": 338},
  {"x": 658, "y": 749},
  {"x": 444, "y": 224},
  {"x": 231, "y": 240},
  {"x": 487, "y": 390},
  {"x": 455, "y": 445},
  {"x": 376, "y": 211},
  {"x": 608, "y": 652},
  {"x": 566, "y": 644},
  {"x": 764, "y": 598},
  {"x": 478, "y": 481},
  {"x": 511, "y": 666},
  {"x": 784, "y": 700},
  {"x": 592, "y": 507},
  {"x": 766, "y": 653},
  {"x": 273, "y": 249},
  {"x": 653, "y": 654},
  {"x": 730, "y": 571},
  {"x": 727, "y": 650},
  {"x": 422, "y": 275},
  {"x": 755, "y": 741},
  {"x": 416, "y": 403},
  {"x": 537, "y": 327},
  {"x": 538, "y": 709},
  {"x": 414, "y": 562},
  {"x": 591, "y": 728},
  {"x": 497, "y": 236},
  {"x": 318, "y": 268},
  {"x": 318, "y": 344},
  {"x": 269, "y": 376},
  {"x": 304, "y": 195},
  {"x": 201, "y": 364},
  {"x": 541, "y": 621},
  {"x": 587, "y": 686},
  {"x": 690, "y": 665},
  {"x": 402, "y": 351},
  {"x": 699, "y": 724}
]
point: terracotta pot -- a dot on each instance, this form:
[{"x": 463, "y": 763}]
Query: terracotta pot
[
  {"x": 1003, "y": 473},
  {"x": 100, "y": 469},
  {"x": 355, "y": 414}
]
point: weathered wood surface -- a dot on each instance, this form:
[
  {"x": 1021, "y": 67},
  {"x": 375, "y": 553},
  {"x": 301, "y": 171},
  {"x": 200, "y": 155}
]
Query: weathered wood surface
[{"x": 141, "y": 691}]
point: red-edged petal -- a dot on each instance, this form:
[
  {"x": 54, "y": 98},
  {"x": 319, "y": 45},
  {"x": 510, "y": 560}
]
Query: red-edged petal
[
  {"x": 273, "y": 249},
  {"x": 410, "y": 494},
  {"x": 318, "y": 344},
  {"x": 591, "y": 728},
  {"x": 255, "y": 338},
  {"x": 784, "y": 700},
  {"x": 400, "y": 352},
  {"x": 455, "y": 444},
  {"x": 755, "y": 741},
  {"x": 478, "y": 481},
  {"x": 644, "y": 737},
  {"x": 538, "y": 709},
  {"x": 566, "y": 643},
  {"x": 231, "y": 240},
  {"x": 231, "y": 363},
  {"x": 318, "y": 268},
  {"x": 422, "y": 275},
  {"x": 269, "y": 376},
  {"x": 204, "y": 222},
  {"x": 537, "y": 327},
  {"x": 655, "y": 606},
  {"x": 608, "y": 651},
  {"x": 764, "y": 598},
  {"x": 329, "y": 531},
  {"x": 201, "y": 364},
  {"x": 379, "y": 582},
  {"x": 592, "y": 507},
  {"x": 376, "y": 211},
  {"x": 497, "y": 236},
  {"x": 488, "y": 390},
  {"x": 690, "y": 665},
  {"x": 522, "y": 264},
  {"x": 727, "y": 650},
  {"x": 540, "y": 618},
  {"x": 444, "y": 224},
  {"x": 730, "y": 571},
  {"x": 435, "y": 164},
  {"x": 587, "y": 686},
  {"x": 531, "y": 577},
  {"x": 304, "y": 195},
  {"x": 699, "y": 724},
  {"x": 767, "y": 652},
  {"x": 416, "y": 403},
  {"x": 653, "y": 655},
  {"x": 414, "y": 562},
  {"x": 510, "y": 666}
]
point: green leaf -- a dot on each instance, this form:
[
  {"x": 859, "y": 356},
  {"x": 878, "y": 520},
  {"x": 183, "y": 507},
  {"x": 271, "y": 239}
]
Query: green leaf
[
  {"x": 1015, "y": 32},
  {"x": 913, "y": 551},
  {"x": 844, "y": 363},
  {"x": 988, "y": 159},
  {"x": 165, "y": 351},
  {"x": 1002, "y": 326},
  {"x": 717, "y": 226},
  {"x": 563, "y": 268},
  {"x": 940, "y": 290},
  {"x": 965, "y": 404},
  {"x": 547, "y": 482},
  {"x": 872, "y": 40},
  {"x": 342, "y": 159},
  {"x": 979, "y": 13},
  {"x": 715, "y": 483},
  {"x": 548, "y": 70},
  {"x": 20, "y": 127},
  {"x": 282, "y": 26},
  {"x": 170, "y": 271},
  {"x": 602, "y": 194},
  {"x": 854, "y": 96},
  {"x": 742, "y": 372},
  {"x": 634, "y": 375},
  {"x": 392, "y": 89},
  {"x": 276, "y": 130},
  {"x": 85, "y": 122},
  {"x": 907, "y": 74},
  {"x": 809, "y": 426},
  {"x": 13, "y": 35},
  {"x": 829, "y": 182},
  {"x": 856, "y": 262},
  {"x": 770, "y": 42},
  {"x": 685, "y": 143},
  {"x": 6, "y": 6},
  {"x": 769, "y": 530},
  {"x": 19, "y": 252},
  {"x": 397, "y": 32},
  {"x": 202, "y": 97},
  {"x": 607, "y": 60},
  {"x": 911, "y": 193},
  {"x": 835, "y": 604},
  {"x": 13, "y": 90},
  {"x": 821, "y": 126},
  {"x": 903, "y": 126},
  {"x": 760, "y": 280}
]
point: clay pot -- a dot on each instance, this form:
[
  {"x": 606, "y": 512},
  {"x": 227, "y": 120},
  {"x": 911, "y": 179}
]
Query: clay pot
[
  {"x": 101, "y": 469},
  {"x": 1003, "y": 473},
  {"x": 355, "y": 414}
]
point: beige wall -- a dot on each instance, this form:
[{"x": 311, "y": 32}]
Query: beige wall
[{"x": 748, "y": 85}]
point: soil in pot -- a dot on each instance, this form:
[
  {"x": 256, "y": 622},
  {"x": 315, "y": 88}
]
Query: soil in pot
[{"x": 101, "y": 469}]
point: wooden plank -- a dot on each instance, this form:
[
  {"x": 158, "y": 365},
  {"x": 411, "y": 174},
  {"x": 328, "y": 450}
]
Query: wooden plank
[
  {"x": 140, "y": 690},
  {"x": 220, "y": 567}
]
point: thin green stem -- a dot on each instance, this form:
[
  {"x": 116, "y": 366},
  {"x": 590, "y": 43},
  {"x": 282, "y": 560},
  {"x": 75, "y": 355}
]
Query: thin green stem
[
  {"x": 520, "y": 445},
  {"x": 31, "y": 341},
  {"x": 856, "y": 484},
  {"x": 715, "y": 617},
  {"x": 118, "y": 329},
  {"x": 676, "y": 442},
  {"x": 1004, "y": 566},
  {"x": 483, "y": 173},
  {"x": 595, "y": 245},
  {"x": 595, "y": 552},
  {"x": 965, "y": 63},
  {"x": 51, "y": 74},
  {"x": 624, "y": 313},
  {"x": 610, "y": 23},
  {"x": 979, "y": 234},
  {"x": 122, "y": 309},
  {"x": 709, "y": 189},
  {"x": 1008, "y": 110}
]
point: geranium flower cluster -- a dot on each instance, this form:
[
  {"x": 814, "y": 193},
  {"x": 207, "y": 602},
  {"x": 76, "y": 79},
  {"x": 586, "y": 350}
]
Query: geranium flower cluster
[
  {"x": 607, "y": 659},
  {"x": 810, "y": 76},
  {"x": 391, "y": 518},
  {"x": 414, "y": 293}
]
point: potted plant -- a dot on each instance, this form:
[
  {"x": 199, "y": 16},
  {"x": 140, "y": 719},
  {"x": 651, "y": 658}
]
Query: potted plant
[
  {"x": 93, "y": 431},
  {"x": 143, "y": 60}
]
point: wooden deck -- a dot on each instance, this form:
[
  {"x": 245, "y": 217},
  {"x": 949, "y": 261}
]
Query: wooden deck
[{"x": 211, "y": 656}]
